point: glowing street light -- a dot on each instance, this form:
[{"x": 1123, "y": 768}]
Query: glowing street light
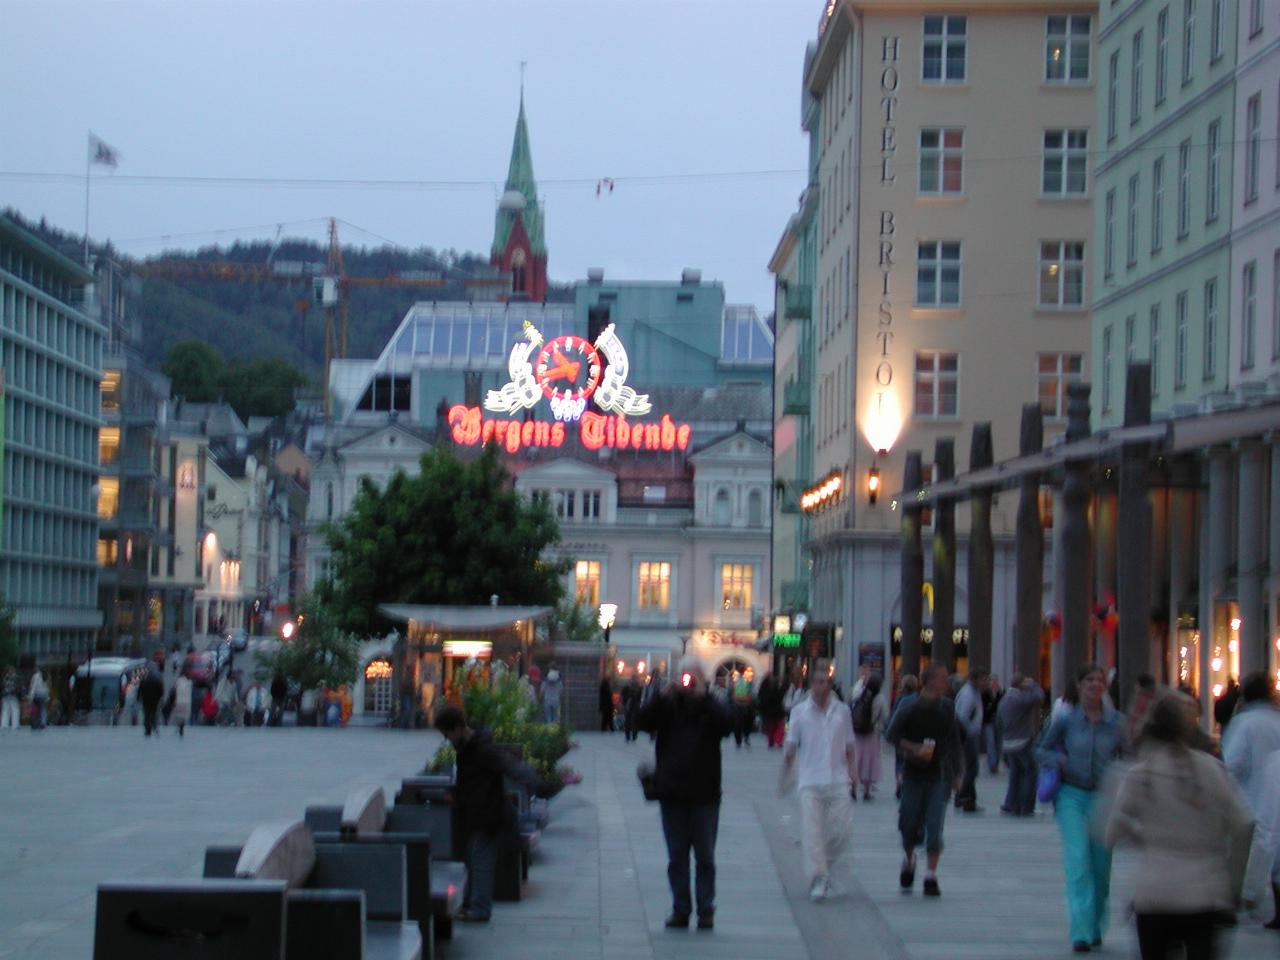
[
  {"x": 608, "y": 616},
  {"x": 287, "y": 630}
]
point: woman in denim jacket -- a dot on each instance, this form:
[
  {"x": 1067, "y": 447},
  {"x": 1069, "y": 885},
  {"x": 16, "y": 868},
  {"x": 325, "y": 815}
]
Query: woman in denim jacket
[{"x": 1081, "y": 743}]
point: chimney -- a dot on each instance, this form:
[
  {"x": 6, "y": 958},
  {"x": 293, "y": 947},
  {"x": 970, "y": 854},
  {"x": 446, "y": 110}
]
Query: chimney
[{"x": 690, "y": 276}]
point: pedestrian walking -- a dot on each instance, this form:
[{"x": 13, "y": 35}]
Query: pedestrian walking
[
  {"x": 181, "y": 693},
  {"x": 991, "y": 698},
  {"x": 773, "y": 716},
  {"x": 795, "y": 692},
  {"x": 1018, "y": 718},
  {"x": 1252, "y": 739},
  {"x": 1082, "y": 743},
  {"x": 208, "y": 707},
  {"x": 279, "y": 692},
  {"x": 970, "y": 713},
  {"x": 870, "y": 715},
  {"x": 150, "y": 693},
  {"x": 257, "y": 701},
  {"x": 1179, "y": 807},
  {"x": 925, "y": 730},
  {"x": 480, "y": 797},
  {"x": 1266, "y": 848},
  {"x": 743, "y": 710},
  {"x": 1224, "y": 708},
  {"x": 631, "y": 694},
  {"x": 908, "y": 690},
  {"x": 552, "y": 687},
  {"x": 689, "y": 725},
  {"x": 820, "y": 746},
  {"x": 38, "y": 695},
  {"x": 606, "y": 705},
  {"x": 10, "y": 699}
]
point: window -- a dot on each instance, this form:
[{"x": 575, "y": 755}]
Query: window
[
  {"x": 591, "y": 505},
  {"x": 1106, "y": 368},
  {"x": 586, "y": 582},
  {"x": 1275, "y": 306},
  {"x": 735, "y": 585},
  {"x": 941, "y": 160},
  {"x": 1155, "y": 348},
  {"x": 1055, "y": 371},
  {"x": 1157, "y": 204},
  {"x": 722, "y": 509},
  {"x": 1180, "y": 341},
  {"x": 755, "y": 509},
  {"x": 1211, "y": 327},
  {"x": 1135, "y": 81},
  {"x": 1065, "y": 165},
  {"x": 937, "y": 384},
  {"x": 1249, "y": 316},
  {"x": 1214, "y": 187},
  {"x": 565, "y": 500},
  {"x": 1062, "y": 273},
  {"x": 1162, "y": 55},
  {"x": 655, "y": 585},
  {"x": 1184, "y": 188},
  {"x": 1113, "y": 93},
  {"x": 1130, "y": 335},
  {"x": 378, "y": 686},
  {"x": 1131, "y": 241},
  {"x": 1109, "y": 236},
  {"x": 1215, "y": 30},
  {"x": 944, "y": 49},
  {"x": 1067, "y": 49},
  {"x": 1253, "y": 146},
  {"x": 1255, "y": 17},
  {"x": 1188, "y": 39},
  {"x": 938, "y": 273}
]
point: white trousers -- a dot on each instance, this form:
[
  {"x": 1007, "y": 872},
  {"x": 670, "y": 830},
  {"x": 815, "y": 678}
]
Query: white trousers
[
  {"x": 9, "y": 712},
  {"x": 826, "y": 826}
]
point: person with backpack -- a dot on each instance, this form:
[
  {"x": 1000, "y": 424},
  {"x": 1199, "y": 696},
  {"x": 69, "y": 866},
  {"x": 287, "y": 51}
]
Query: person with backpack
[{"x": 870, "y": 713}]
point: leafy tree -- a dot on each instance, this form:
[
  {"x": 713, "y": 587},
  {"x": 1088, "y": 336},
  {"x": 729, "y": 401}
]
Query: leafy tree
[
  {"x": 262, "y": 387},
  {"x": 456, "y": 533},
  {"x": 320, "y": 653},
  {"x": 9, "y": 652},
  {"x": 578, "y": 623},
  {"x": 196, "y": 370}
]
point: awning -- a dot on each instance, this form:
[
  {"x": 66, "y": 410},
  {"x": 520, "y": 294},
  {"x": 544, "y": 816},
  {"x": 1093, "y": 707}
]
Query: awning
[{"x": 449, "y": 618}]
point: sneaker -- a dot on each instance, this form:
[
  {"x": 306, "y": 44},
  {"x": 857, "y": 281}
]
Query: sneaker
[
  {"x": 818, "y": 890},
  {"x": 706, "y": 921},
  {"x": 931, "y": 887},
  {"x": 907, "y": 876},
  {"x": 1081, "y": 947},
  {"x": 677, "y": 921}
]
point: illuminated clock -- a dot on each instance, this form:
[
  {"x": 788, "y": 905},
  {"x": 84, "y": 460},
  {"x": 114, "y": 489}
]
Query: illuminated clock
[{"x": 568, "y": 370}]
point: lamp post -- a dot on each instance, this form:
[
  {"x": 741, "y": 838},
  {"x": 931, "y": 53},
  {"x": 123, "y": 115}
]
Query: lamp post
[{"x": 608, "y": 615}]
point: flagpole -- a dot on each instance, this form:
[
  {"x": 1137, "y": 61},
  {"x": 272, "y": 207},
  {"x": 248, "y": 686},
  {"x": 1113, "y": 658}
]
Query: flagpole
[{"x": 88, "y": 164}]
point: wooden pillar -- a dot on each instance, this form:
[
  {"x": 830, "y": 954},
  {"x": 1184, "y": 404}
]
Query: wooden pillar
[
  {"x": 1030, "y": 551},
  {"x": 1251, "y": 558},
  {"x": 944, "y": 558},
  {"x": 981, "y": 574},
  {"x": 1133, "y": 588},
  {"x": 1077, "y": 553},
  {"x": 912, "y": 575}
]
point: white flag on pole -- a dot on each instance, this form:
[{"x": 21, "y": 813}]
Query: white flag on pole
[{"x": 101, "y": 152}]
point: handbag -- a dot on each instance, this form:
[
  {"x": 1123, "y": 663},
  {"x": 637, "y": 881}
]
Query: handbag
[
  {"x": 647, "y": 774},
  {"x": 1047, "y": 783}
]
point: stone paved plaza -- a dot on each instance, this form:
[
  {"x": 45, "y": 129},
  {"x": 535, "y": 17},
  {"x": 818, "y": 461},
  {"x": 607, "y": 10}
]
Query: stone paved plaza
[{"x": 83, "y": 805}]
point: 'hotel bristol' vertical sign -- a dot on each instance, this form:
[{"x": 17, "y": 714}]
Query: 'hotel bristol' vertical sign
[{"x": 890, "y": 80}]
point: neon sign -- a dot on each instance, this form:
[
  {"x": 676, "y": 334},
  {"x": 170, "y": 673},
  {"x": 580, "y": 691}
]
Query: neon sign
[
  {"x": 469, "y": 427},
  {"x": 567, "y": 371}
]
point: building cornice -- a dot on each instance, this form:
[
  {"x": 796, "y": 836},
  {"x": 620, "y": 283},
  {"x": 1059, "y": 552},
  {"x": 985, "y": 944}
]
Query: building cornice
[
  {"x": 1166, "y": 270},
  {"x": 1140, "y": 142}
]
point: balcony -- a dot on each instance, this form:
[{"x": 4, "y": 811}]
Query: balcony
[
  {"x": 798, "y": 304},
  {"x": 795, "y": 398}
]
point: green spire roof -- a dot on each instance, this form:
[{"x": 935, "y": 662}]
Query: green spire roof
[{"x": 520, "y": 179}]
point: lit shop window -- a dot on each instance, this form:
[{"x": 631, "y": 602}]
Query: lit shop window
[
  {"x": 586, "y": 582},
  {"x": 735, "y": 586},
  {"x": 655, "y": 585}
]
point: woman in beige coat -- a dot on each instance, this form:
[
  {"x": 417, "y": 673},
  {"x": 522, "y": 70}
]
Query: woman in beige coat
[{"x": 1180, "y": 809}]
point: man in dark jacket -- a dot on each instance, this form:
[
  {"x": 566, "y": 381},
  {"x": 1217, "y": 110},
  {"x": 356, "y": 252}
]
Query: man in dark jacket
[
  {"x": 481, "y": 798},
  {"x": 150, "y": 692},
  {"x": 689, "y": 726}
]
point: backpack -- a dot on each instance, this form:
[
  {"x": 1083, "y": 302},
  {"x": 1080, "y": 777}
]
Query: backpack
[{"x": 862, "y": 714}]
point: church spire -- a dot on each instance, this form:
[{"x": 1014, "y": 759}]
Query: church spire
[{"x": 518, "y": 241}]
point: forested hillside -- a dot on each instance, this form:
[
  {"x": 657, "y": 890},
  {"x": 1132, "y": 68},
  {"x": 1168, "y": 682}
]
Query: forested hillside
[{"x": 247, "y": 319}]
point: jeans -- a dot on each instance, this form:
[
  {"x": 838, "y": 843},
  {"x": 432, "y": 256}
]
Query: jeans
[
  {"x": 1020, "y": 798},
  {"x": 968, "y": 795},
  {"x": 9, "y": 712},
  {"x": 1087, "y": 865},
  {"x": 149, "y": 719},
  {"x": 482, "y": 864},
  {"x": 551, "y": 711},
  {"x": 922, "y": 810},
  {"x": 992, "y": 739},
  {"x": 1160, "y": 933},
  {"x": 630, "y": 714},
  {"x": 691, "y": 826},
  {"x": 826, "y": 827},
  {"x": 38, "y": 714}
]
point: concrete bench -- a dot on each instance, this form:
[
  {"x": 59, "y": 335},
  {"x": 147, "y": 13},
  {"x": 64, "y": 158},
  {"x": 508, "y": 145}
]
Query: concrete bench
[
  {"x": 195, "y": 919},
  {"x": 365, "y": 887}
]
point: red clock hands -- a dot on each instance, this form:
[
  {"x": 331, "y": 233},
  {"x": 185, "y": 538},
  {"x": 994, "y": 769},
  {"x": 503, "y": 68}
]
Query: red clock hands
[{"x": 565, "y": 369}]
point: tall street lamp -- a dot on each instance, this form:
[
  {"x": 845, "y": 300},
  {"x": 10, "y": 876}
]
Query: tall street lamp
[{"x": 608, "y": 615}]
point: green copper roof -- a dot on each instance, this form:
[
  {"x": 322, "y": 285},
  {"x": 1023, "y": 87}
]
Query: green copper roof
[{"x": 520, "y": 178}]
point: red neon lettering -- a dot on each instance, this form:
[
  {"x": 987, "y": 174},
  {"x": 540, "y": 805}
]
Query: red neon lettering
[
  {"x": 526, "y": 433},
  {"x": 468, "y": 427},
  {"x": 592, "y": 430},
  {"x": 486, "y": 431},
  {"x": 542, "y": 434},
  {"x": 682, "y": 436},
  {"x": 513, "y": 436},
  {"x": 623, "y": 431},
  {"x": 466, "y": 424},
  {"x": 651, "y": 434},
  {"x": 557, "y": 434},
  {"x": 668, "y": 432}
]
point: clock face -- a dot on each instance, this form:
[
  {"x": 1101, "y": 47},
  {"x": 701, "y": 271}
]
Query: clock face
[{"x": 567, "y": 368}]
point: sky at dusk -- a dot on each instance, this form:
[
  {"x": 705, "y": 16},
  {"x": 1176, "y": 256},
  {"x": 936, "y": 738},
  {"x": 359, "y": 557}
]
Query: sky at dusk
[{"x": 690, "y": 106}]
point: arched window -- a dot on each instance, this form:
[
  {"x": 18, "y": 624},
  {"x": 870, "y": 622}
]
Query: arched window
[
  {"x": 722, "y": 509},
  {"x": 755, "y": 509},
  {"x": 377, "y": 686},
  {"x": 517, "y": 271}
]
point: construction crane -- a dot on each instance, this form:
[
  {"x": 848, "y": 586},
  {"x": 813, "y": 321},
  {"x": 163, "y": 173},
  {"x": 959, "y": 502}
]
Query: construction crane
[{"x": 331, "y": 286}]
